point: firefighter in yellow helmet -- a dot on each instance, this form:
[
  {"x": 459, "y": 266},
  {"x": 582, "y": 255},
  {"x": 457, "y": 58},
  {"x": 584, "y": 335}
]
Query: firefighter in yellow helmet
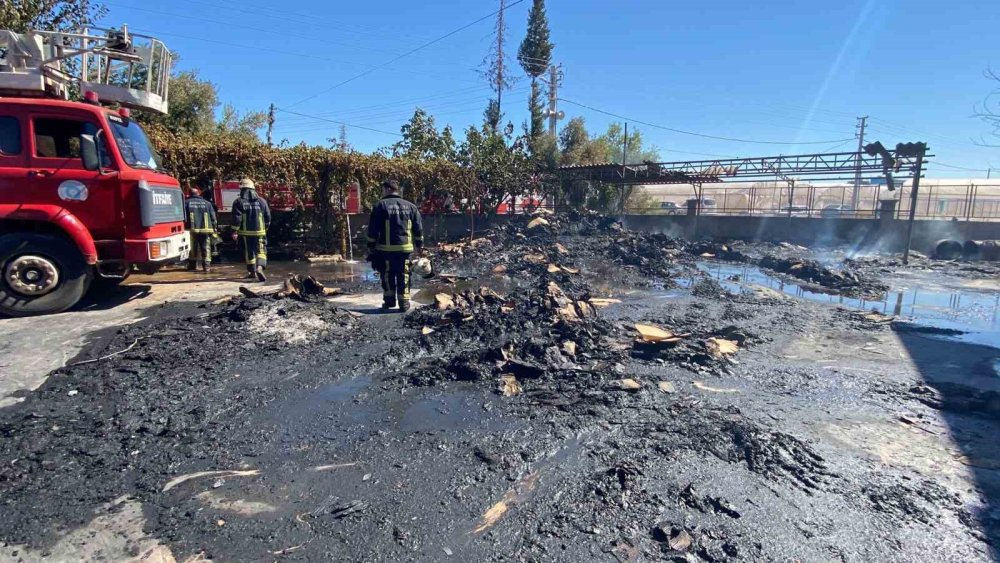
[
  {"x": 201, "y": 223},
  {"x": 395, "y": 230},
  {"x": 251, "y": 218}
]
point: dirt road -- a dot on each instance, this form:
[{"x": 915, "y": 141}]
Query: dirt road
[{"x": 572, "y": 402}]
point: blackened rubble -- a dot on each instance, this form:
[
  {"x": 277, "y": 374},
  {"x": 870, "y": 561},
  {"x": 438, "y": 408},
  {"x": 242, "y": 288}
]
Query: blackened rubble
[{"x": 552, "y": 405}]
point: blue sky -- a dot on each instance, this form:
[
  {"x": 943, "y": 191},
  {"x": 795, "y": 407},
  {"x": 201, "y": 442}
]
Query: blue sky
[{"x": 783, "y": 71}]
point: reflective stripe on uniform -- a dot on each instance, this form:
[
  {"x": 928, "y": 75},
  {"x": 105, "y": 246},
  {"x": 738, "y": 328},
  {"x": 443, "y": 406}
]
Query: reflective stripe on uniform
[
  {"x": 405, "y": 290},
  {"x": 408, "y": 247}
]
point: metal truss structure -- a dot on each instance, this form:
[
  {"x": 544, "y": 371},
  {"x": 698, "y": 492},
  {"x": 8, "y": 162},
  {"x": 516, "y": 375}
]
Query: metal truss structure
[{"x": 790, "y": 168}]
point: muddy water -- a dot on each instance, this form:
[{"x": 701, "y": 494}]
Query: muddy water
[{"x": 925, "y": 298}]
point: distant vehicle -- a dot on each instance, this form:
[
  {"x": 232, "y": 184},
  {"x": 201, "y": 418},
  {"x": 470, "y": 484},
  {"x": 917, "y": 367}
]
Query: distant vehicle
[
  {"x": 837, "y": 210},
  {"x": 670, "y": 207},
  {"x": 794, "y": 210},
  {"x": 708, "y": 205}
]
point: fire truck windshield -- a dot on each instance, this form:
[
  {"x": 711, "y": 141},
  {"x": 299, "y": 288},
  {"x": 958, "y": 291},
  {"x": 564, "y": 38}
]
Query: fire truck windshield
[{"x": 134, "y": 145}]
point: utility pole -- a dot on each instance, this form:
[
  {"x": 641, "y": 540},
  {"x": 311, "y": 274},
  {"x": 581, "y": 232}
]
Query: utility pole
[
  {"x": 862, "y": 121},
  {"x": 554, "y": 72},
  {"x": 917, "y": 150},
  {"x": 621, "y": 194},
  {"x": 270, "y": 123},
  {"x": 500, "y": 33}
]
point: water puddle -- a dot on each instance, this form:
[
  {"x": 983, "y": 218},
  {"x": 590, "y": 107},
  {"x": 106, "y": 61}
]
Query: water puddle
[
  {"x": 454, "y": 410},
  {"x": 342, "y": 401},
  {"x": 927, "y": 299},
  {"x": 229, "y": 271}
]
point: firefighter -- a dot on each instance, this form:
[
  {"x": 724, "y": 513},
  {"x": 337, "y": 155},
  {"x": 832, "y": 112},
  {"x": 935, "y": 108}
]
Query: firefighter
[
  {"x": 202, "y": 224},
  {"x": 394, "y": 232},
  {"x": 251, "y": 218}
]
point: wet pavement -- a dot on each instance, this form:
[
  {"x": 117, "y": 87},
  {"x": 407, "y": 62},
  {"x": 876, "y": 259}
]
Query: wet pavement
[{"x": 774, "y": 422}]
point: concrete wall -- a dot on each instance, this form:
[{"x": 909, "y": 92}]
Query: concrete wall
[{"x": 865, "y": 234}]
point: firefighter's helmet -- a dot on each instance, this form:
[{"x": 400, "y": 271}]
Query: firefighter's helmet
[{"x": 422, "y": 267}]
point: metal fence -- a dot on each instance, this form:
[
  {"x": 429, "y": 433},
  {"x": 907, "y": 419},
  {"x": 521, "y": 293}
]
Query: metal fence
[{"x": 962, "y": 202}]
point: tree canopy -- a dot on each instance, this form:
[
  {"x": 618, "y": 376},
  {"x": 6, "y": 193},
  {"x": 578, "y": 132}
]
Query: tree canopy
[
  {"x": 422, "y": 140},
  {"x": 61, "y": 15},
  {"x": 535, "y": 52}
]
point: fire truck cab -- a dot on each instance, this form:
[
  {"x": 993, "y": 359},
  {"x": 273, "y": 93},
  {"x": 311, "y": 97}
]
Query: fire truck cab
[{"x": 82, "y": 192}]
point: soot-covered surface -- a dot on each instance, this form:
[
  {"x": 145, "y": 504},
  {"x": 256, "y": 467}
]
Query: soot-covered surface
[{"x": 523, "y": 415}]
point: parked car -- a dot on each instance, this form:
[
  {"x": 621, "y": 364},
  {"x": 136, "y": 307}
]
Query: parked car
[
  {"x": 837, "y": 210},
  {"x": 670, "y": 207}
]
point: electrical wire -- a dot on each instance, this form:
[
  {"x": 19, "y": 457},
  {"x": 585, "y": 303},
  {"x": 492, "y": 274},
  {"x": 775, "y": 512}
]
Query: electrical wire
[
  {"x": 406, "y": 54},
  {"x": 731, "y": 139},
  {"x": 421, "y": 102},
  {"x": 157, "y": 33},
  {"x": 936, "y": 163},
  {"x": 398, "y": 119},
  {"x": 341, "y": 123},
  {"x": 302, "y": 19},
  {"x": 393, "y": 115},
  {"x": 231, "y": 24}
]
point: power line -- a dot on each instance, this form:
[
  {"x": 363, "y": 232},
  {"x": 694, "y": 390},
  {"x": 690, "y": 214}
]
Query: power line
[
  {"x": 731, "y": 139},
  {"x": 390, "y": 115},
  {"x": 322, "y": 20},
  {"x": 301, "y": 129},
  {"x": 423, "y": 101},
  {"x": 406, "y": 54},
  {"x": 937, "y": 163},
  {"x": 231, "y": 24},
  {"x": 302, "y": 19},
  {"x": 340, "y": 123}
]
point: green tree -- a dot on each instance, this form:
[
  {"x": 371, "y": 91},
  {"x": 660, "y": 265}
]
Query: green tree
[
  {"x": 537, "y": 123},
  {"x": 192, "y": 106},
  {"x": 492, "y": 116},
  {"x": 577, "y": 147},
  {"x": 612, "y": 140},
  {"x": 535, "y": 56},
  {"x": 535, "y": 52},
  {"x": 340, "y": 143},
  {"x": 245, "y": 125},
  {"x": 421, "y": 139},
  {"x": 59, "y": 15},
  {"x": 500, "y": 164}
]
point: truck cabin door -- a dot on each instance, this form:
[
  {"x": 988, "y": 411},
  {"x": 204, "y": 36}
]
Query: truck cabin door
[
  {"x": 55, "y": 167},
  {"x": 13, "y": 156}
]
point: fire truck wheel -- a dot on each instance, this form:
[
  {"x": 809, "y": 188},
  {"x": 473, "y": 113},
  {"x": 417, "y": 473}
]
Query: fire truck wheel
[{"x": 40, "y": 274}]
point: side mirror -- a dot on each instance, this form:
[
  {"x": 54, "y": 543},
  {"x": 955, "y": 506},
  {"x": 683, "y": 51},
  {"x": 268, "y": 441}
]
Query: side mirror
[{"x": 89, "y": 153}]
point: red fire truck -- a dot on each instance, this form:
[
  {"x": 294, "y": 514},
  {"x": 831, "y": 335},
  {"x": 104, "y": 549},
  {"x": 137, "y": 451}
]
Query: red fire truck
[{"x": 82, "y": 192}]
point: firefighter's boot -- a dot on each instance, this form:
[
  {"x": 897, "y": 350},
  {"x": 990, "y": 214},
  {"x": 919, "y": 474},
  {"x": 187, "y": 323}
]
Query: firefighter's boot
[
  {"x": 260, "y": 274},
  {"x": 404, "y": 306}
]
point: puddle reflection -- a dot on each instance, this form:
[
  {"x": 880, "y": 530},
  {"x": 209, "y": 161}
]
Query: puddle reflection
[{"x": 927, "y": 299}]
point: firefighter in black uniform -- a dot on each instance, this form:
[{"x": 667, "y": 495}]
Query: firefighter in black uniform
[
  {"x": 202, "y": 224},
  {"x": 394, "y": 232},
  {"x": 251, "y": 218}
]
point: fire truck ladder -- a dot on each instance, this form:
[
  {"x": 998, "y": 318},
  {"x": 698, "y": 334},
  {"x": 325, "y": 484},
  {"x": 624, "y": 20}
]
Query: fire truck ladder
[{"x": 130, "y": 69}]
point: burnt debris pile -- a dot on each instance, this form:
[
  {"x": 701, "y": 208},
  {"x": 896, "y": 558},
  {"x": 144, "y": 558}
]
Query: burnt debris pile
[
  {"x": 543, "y": 331},
  {"x": 845, "y": 281}
]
